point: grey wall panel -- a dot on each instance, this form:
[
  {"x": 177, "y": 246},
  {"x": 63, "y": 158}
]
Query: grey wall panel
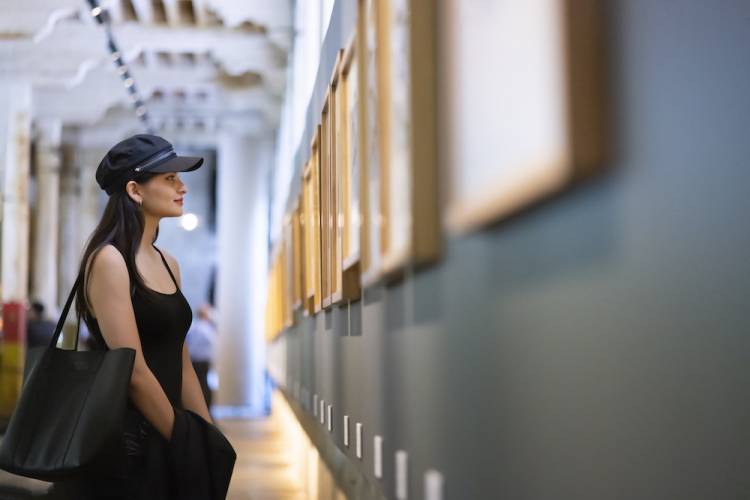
[{"x": 597, "y": 346}]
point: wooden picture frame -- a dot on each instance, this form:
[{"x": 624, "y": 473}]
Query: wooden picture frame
[
  {"x": 325, "y": 198},
  {"x": 336, "y": 138},
  {"x": 408, "y": 139},
  {"x": 513, "y": 138},
  {"x": 312, "y": 227},
  {"x": 288, "y": 269},
  {"x": 308, "y": 295},
  {"x": 274, "y": 299},
  {"x": 370, "y": 196},
  {"x": 297, "y": 222},
  {"x": 350, "y": 148}
]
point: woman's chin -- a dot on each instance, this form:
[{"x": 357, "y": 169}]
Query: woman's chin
[{"x": 175, "y": 212}]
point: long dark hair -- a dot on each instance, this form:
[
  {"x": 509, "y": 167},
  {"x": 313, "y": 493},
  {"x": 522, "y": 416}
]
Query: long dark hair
[{"x": 121, "y": 225}]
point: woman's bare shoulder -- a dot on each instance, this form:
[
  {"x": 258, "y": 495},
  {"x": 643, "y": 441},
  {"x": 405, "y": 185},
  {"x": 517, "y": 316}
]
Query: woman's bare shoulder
[
  {"x": 109, "y": 264},
  {"x": 107, "y": 255},
  {"x": 107, "y": 274}
]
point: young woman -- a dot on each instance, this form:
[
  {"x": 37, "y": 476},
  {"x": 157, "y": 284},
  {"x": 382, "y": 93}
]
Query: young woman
[{"x": 130, "y": 297}]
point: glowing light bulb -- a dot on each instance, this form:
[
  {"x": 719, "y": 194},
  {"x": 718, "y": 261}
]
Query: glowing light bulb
[{"x": 189, "y": 222}]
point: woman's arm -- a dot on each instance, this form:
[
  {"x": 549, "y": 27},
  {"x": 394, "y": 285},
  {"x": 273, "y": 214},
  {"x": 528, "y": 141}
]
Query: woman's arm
[
  {"x": 192, "y": 394},
  {"x": 108, "y": 288}
]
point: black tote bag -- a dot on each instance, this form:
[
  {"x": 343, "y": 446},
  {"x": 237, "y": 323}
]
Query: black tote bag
[{"x": 69, "y": 417}]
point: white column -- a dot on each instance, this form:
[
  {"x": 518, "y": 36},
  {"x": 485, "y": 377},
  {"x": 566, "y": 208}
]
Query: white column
[
  {"x": 242, "y": 221},
  {"x": 91, "y": 194},
  {"x": 44, "y": 269},
  {"x": 68, "y": 229},
  {"x": 15, "y": 159}
]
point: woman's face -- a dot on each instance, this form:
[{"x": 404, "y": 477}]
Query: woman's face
[{"x": 163, "y": 195}]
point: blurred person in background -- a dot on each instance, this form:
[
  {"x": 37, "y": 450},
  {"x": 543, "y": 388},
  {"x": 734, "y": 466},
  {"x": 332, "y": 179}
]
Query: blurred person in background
[
  {"x": 201, "y": 339},
  {"x": 39, "y": 329}
]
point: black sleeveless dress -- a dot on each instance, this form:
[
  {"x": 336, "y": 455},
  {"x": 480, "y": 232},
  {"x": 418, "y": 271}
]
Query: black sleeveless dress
[{"x": 163, "y": 321}]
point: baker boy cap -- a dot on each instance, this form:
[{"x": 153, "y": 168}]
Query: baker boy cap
[{"x": 142, "y": 153}]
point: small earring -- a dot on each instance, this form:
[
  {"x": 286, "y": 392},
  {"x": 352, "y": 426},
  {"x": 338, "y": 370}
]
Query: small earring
[{"x": 140, "y": 203}]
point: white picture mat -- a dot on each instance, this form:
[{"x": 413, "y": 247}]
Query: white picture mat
[
  {"x": 373, "y": 214},
  {"x": 507, "y": 110},
  {"x": 353, "y": 157},
  {"x": 400, "y": 166}
]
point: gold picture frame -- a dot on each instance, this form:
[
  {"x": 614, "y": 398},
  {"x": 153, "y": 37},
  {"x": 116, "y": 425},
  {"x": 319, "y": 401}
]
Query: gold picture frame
[
  {"x": 297, "y": 221},
  {"x": 543, "y": 128},
  {"x": 370, "y": 196},
  {"x": 308, "y": 293},
  {"x": 408, "y": 144},
  {"x": 325, "y": 198},
  {"x": 350, "y": 148},
  {"x": 311, "y": 183},
  {"x": 288, "y": 267},
  {"x": 334, "y": 224}
]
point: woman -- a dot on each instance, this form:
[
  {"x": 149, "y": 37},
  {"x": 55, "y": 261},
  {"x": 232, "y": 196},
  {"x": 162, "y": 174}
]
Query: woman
[{"x": 130, "y": 297}]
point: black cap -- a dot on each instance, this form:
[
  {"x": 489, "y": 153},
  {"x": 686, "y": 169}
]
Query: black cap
[{"x": 142, "y": 153}]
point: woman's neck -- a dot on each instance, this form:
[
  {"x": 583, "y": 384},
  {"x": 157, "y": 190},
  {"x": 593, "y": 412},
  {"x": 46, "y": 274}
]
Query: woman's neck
[{"x": 151, "y": 223}]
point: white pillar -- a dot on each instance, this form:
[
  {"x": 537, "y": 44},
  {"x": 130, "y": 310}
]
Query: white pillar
[
  {"x": 15, "y": 159},
  {"x": 68, "y": 229},
  {"x": 242, "y": 220},
  {"x": 89, "y": 209},
  {"x": 47, "y": 161}
]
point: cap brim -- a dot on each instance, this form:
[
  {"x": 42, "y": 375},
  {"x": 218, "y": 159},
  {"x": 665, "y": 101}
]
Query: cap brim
[{"x": 178, "y": 164}]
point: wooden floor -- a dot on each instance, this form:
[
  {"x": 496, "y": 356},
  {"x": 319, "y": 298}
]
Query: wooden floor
[{"x": 263, "y": 470}]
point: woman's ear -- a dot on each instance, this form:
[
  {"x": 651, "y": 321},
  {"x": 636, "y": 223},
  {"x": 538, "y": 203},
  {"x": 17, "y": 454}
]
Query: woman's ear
[{"x": 134, "y": 193}]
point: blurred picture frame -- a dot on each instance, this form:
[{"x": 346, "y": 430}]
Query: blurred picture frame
[
  {"x": 308, "y": 294},
  {"x": 350, "y": 148},
  {"x": 543, "y": 129},
  {"x": 288, "y": 271},
  {"x": 370, "y": 195},
  {"x": 325, "y": 198},
  {"x": 336, "y": 125},
  {"x": 408, "y": 139},
  {"x": 311, "y": 183},
  {"x": 298, "y": 290}
]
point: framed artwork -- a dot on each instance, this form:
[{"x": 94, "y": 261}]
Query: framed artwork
[
  {"x": 350, "y": 147},
  {"x": 316, "y": 219},
  {"x": 516, "y": 137},
  {"x": 408, "y": 167},
  {"x": 298, "y": 253},
  {"x": 335, "y": 135},
  {"x": 288, "y": 269},
  {"x": 274, "y": 302},
  {"x": 311, "y": 183},
  {"x": 372, "y": 218},
  {"x": 325, "y": 198},
  {"x": 308, "y": 295}
]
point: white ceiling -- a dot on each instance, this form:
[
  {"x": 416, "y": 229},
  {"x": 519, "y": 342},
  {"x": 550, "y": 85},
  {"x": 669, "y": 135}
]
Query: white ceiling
[{"x": 198, "y": 65}]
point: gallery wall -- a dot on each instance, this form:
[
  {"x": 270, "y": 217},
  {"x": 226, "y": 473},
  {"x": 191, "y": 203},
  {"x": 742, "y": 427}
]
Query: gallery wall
[{"x": 592, "y": 346}]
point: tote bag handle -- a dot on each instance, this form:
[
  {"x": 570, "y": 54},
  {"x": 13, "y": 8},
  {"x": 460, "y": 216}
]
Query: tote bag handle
[{"x": 64, "y": 315}]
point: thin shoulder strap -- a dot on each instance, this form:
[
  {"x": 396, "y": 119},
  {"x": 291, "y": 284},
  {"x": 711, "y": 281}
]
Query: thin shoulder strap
[{"x": 167, "y": 266}]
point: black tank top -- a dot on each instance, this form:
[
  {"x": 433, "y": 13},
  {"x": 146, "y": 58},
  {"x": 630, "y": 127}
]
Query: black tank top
[{"x": 163, "y": 320}]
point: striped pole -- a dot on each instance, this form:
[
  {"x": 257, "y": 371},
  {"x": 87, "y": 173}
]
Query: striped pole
[{"x": 12, "y": 356}]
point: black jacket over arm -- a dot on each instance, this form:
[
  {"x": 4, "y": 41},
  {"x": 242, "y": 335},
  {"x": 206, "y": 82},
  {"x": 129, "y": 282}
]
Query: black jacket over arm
[{"x": 201, "y": 459}]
